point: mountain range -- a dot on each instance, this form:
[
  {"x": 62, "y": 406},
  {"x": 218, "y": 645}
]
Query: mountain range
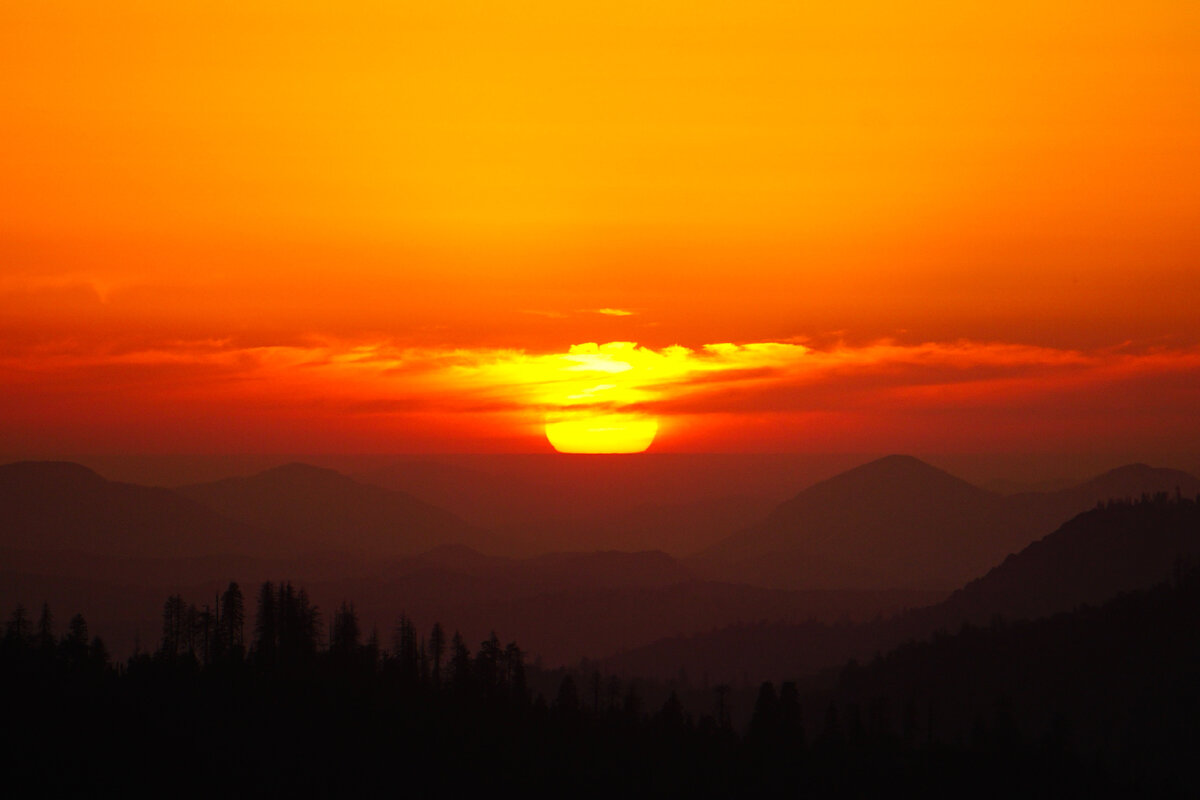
[
  {"x": 1121, "y": 546},
  {"x": 899, "y": 522},
  {"x": 885, "y": 537}
]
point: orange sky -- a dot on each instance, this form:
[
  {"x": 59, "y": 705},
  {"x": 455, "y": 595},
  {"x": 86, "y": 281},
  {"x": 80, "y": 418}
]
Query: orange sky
[{"x": 382, "y": 226}]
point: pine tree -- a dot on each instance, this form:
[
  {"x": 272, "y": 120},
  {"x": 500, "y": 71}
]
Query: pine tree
[
  {"x": 460, "y": 663},
  {"x": 18, "y": 632},
  {"x": 232, "y": 621},
  {"x": 45, "y": 629},
  {"x": 75, "y": 644},
  {"x": 404, "y": 643},
  {"x": 514, "y": 667},
  {"x": 98, "y": 654},
  {"x": 345, "y": 631},
  {"x": 174, "y": 623},
  {"x": 437, "y": 648},
  {"x": 487, "y": 663},
  {"x": 266, "y": 626}
]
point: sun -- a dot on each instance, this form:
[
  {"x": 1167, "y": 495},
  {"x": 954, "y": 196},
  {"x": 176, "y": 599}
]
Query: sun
[{"x": 602, "y": 433}]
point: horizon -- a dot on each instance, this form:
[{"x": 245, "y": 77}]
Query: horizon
[{"x": 1000, "y": 472}]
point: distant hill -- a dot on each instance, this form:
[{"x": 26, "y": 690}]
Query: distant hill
[
  {"x": 561, "y": 606},
  {"x": 283, "y": 512},
  {"x": 1123, "y": 483},
  {"x": 1123, "y": 546},
  {"x": 900, "y": 522},
  {"x": 675, "y": 502},
  {"x": 1116, "y": 680},
  {"x": 301, "y": 507},
  {"x": 54, "y": 505},
  {"x": 1118, "y": 548}
]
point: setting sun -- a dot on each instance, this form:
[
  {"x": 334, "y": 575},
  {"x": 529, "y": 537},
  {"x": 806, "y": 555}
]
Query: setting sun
[{"x": 602, "y": 433}]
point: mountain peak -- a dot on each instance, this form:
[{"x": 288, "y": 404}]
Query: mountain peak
[
  {"x": 1132, "y": 480},
  {"x": 298, "y": 470},
  {"x": 1135, "y": 470},
  {"x": 902, "y": 471},
  {"x": 897, "y": 461}
]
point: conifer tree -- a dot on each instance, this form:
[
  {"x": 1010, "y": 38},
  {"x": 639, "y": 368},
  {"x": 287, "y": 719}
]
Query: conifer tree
[
  {"x": 231, "y": 622},
  {"x": 437, "y": 649},
  {"x": 45, "y": 629}
]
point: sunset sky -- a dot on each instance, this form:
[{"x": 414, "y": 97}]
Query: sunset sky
[{"x": 435, "y": 226}]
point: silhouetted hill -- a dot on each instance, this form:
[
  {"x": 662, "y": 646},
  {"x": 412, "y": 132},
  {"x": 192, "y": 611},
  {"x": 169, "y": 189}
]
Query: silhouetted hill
[
  {"x": 1128, "y": 482},
  {"x": 48, "y": 505},
  {"x": 565, "y": 606},
  {"x": 898, "y": 521},
  {"x": 312, "y": 508},
  {"x": 675, "y": 502},
  {"x": 1135, "y": 480},
  {"x": 1098, "y": 554},
  {"x": 1117, "y": 678},
  {"x": 1120, "y": 547}
]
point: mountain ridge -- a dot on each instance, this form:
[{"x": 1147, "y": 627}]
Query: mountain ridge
[{"x": 898, "y": 521}]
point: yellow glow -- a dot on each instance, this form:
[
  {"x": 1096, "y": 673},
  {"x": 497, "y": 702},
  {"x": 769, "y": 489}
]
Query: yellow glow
[{"x": 602, "y": 433}]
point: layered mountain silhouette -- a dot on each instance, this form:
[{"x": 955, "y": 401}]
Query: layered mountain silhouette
[
  {"x": 1120, "y": 547},
  {"x": 898, "y": 521},
  {"x": 283, "y": 512},
  {"x": 54, "y": 505},
  {"x": 303, "y": 507},
  {"x": 673, "y": 502},
  {"x": 564, "y": 606},
  {"x": 889, "y": 535},
  {"x": 1117, "y": 678}
]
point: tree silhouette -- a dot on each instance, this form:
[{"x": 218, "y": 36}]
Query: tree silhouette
[
  {"x": 18, "y": 632},
  {"x": 671, "y": 718},
  {"x": 514, "y": 671},
  {"x": 765, "y": 723},
  {"x": 231, "y": 622},
  {"x": 460, "y": 663},
  {"x": 345, "y": 631},
  {"x": 487, "y": 664},
  {"x": 305, "y": 716},
  {"x": 566, "y": 702},
  {"x": 266, "y": 626},
  {"x": 75, "y": 644},
  {"x": 98, "y": 654},
  {"x": 174, "y": 632},
  {"x": 404, "y": 645},
  {"x": 437, "y": 649},
  {"x": 45, "y": 629}
]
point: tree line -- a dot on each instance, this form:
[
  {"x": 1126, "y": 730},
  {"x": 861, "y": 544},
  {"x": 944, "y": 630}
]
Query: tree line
[{"x": 299, "y": 703}]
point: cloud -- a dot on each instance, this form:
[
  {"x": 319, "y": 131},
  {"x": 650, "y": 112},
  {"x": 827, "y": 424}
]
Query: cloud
[
  {"x": 931, "y": 388},
  {"x": 547, "y": 314},
  {"x": 614, "y": 312}
]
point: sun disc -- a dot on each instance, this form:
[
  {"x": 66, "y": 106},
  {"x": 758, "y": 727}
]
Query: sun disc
[{"x": 602, "y": 433}]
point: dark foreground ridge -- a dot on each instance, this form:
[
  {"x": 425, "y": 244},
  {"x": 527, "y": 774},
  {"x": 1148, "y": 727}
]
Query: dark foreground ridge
[{"x": 1101, "y": 699}]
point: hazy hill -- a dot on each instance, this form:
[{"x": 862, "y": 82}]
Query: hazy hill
[
  {"x": 560, "y": 606},
  {"x": 1098, "y": 554},
  {"x": 53, "y": 505},
  {"x": 898, "y": 521},
  {"x": 673, "y": 502},
  {"x": 1121, "y": 547},
  {"x": 302, "y": 507},
  {"x": 1127, "y": 482}
]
